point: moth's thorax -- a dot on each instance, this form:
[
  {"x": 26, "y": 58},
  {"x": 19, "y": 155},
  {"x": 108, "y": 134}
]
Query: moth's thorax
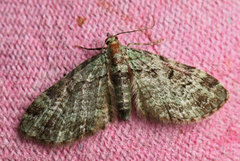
[{"x": 114, "y": 48}]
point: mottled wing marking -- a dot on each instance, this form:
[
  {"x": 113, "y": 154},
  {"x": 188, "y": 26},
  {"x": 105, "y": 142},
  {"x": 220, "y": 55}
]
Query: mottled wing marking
[
  {"x": 75, "y": 107},
  {"x": 165, "y": 90}
]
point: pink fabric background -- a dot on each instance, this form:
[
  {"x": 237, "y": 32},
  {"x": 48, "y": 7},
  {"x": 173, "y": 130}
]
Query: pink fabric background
[{"x": 36, "y": 49}]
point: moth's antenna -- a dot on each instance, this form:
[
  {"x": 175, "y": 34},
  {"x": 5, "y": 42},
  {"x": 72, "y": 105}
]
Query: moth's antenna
[{"x": 146, "y": 28}]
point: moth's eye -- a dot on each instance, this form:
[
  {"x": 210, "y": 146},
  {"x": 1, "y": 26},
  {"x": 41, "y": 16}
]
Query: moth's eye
[
  {"x": 111, "y": 39},
  {"x": 107, "y": 41}
]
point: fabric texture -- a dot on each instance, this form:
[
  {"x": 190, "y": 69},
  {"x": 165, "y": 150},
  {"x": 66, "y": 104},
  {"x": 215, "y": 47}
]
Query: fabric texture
[{"x": 37, "y": 49}]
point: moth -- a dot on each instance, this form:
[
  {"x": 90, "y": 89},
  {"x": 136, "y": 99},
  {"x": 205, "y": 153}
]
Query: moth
[{"x": 107, "y": 85}]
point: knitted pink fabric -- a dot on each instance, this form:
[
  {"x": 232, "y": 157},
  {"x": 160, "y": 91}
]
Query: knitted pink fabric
[{"x": 36, "y": 49}]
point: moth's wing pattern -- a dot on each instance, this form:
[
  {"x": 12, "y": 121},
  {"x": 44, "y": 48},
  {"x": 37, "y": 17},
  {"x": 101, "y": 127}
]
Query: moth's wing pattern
[
  {"x": 75, "y": 107},
  {"x": 169, "y": 91}
]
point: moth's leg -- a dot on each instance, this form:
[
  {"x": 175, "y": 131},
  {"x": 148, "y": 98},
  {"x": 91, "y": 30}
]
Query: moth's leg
[
  {"x": 81, "y": 47},
  {"x": 150, "y": 43}
]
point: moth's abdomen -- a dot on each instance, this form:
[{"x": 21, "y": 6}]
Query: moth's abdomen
[{"x": 121, "y": 83}]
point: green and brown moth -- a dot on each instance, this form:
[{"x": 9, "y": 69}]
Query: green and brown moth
[{"x": 108, "y": 84}]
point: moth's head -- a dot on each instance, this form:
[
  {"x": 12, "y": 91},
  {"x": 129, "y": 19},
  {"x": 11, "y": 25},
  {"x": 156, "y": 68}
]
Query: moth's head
[{"x": 111, "y": 39}]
